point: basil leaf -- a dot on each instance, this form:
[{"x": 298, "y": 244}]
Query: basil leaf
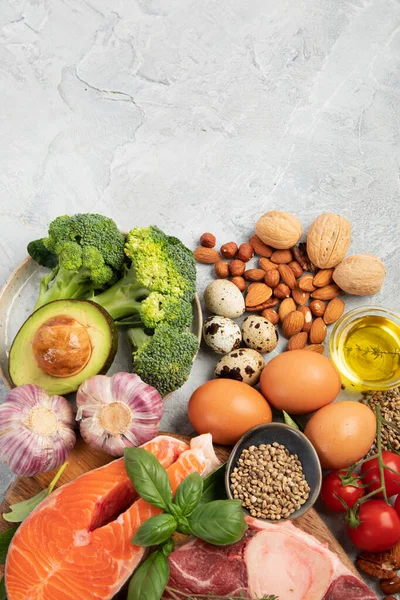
[
  {"x": 189, "y": 493},
  {"x": 289, "y": 421},
  {"x": 149, "y": 478},
  {"x": 21, "y": 510},
  {"x": 183, "y": 526},
  {"x": 168, "y": 547},
  {"x": 220, "y": 522},
  {"x": 150, "y": 579},
  {"x": 5, "y": 540},
  {"x": 3, "y": 594},
  {"x": 155, "y": 530},
  {"x": 214, "y": 485}
]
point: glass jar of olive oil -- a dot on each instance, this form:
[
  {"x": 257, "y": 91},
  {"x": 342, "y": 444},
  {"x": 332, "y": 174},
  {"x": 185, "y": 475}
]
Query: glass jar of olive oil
[{"x": 365, "y": 347}]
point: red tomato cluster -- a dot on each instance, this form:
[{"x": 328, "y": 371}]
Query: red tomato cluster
[{"x": 379, "y": 523}]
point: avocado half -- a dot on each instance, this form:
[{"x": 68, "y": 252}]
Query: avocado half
[{"x": 62, "y": 344}]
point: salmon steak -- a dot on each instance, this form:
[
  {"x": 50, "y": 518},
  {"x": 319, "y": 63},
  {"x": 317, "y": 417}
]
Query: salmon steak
[{"x": 77, "y": 543}]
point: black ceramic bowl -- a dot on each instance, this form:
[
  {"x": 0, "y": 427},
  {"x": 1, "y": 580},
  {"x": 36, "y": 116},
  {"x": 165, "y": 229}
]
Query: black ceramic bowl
[{"x": 296, "y": 442}]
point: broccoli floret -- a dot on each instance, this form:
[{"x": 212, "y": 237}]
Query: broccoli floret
[
  {"x": 161, "y": 266},
  {"x": 89, "y": 250},
  {"x": 163, "y": 360},
  {"x": 162, "y": 263}
]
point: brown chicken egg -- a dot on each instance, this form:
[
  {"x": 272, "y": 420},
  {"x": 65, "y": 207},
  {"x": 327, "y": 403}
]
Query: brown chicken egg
[
  {"x": 342, "y": 433},
  {"x": 227, "y": 409},
  {"x": 299, "y": 382}
]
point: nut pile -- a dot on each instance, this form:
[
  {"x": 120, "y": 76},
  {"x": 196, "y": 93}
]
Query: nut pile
[
  {"x": 389, "y": 403},
  {"x": 269, "y": 481},
  {"x": 284, "y": 287}
]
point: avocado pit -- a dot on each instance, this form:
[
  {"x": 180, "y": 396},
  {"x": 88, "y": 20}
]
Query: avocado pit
[{"x": 61, "y": 346}]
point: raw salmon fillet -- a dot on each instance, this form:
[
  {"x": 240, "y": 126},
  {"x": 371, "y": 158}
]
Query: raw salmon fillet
[{"x": 74, "y": 546}]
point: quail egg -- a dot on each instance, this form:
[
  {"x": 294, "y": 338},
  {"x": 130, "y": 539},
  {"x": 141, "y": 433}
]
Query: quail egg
[
  {"x": 242, "y": 364},
  {"x": 221, "y": 334},
  {"x": 224, "y": 298},
  {"x": 259, "y": 334}
]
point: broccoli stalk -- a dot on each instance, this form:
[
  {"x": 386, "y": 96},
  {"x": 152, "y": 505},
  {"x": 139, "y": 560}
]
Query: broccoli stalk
[{"x": 85, "y": 251}]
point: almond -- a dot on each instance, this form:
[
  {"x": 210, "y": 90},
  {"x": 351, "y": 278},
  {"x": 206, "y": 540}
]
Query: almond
[
  {"x": 297, "y": 341},
  {"x": 208, "y": 240},
  {"x": 306, "y": 283},
  {"x": 292, "y": 324},
  {"x": 315, "y": 348},
  {"x": 221, "y": 269},
  {"x": 206, "y": 256},
  {"x": 317, "y": 308},
  {"x": 229, "y": 250},
  {"x": 306, "y": 312},
  {"x": 272, "y": 278},
  {"x": 286, "y": 306},
  {"x": 239, "y": 282},
  {"x": 318, "y": 331},
  {"x": 237, "y": 267},
  {"x": 296, "y": 268},
  {"x": 281, "y": 257},
  {"x": 282, "y": 291},
  {"x": 327, "y": 293},
  {"x": 287, "y": 276},
  {"x": 299, "y": 296},
  {"x": 334, "y": 310},
  {"x": 259, "y": 247},
  {"x": 245, "y": 252},
  {"x": 270, "y": 315},
  {"x": 267, "y": 265},
  {"x": 257, "y": 294},
  {"x": 259, "y": 307},
  {"x": 254, "y": 275},
  {"x": 323, "y": 278}
]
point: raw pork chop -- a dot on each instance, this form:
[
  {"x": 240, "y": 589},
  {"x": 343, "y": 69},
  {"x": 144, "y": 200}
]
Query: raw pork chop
[
  {"x": 76, "y": 546},
  {"x": 271, "y": 558}
]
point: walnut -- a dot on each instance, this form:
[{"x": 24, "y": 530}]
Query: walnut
[
  {"x": 360, "y": 275},
  {"x": 279, "y": 229},
  {"x": 328, "y": 240}
]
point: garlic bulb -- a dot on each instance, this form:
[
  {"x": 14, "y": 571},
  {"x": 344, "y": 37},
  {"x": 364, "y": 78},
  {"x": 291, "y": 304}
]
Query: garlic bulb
[
  {"x": 36, "y": 430},
  {"x": 118, "y": 412}
]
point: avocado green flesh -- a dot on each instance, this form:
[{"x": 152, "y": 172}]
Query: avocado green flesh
[{"x": 103, "y": 334}]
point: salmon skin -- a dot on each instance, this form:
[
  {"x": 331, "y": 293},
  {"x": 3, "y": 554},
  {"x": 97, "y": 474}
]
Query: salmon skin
[{"x": 77, "y": 543}]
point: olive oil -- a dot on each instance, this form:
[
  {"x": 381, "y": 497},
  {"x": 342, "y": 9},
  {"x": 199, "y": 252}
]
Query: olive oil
[{"x": 370, "y": 350}]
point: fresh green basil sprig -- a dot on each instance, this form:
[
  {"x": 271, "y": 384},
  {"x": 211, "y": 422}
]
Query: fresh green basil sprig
[{"x": 219, "y": 522}]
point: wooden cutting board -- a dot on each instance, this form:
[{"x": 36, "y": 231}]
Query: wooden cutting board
[{"x": 83, "y": 458}]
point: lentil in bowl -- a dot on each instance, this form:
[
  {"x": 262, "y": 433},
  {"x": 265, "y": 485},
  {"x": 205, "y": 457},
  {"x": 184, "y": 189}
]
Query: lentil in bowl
[{"x": 275, "y": 472}]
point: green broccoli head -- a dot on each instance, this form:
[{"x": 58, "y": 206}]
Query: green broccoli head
[
  {"x": 163, "y": 360},
  {"x": 157, "y": 308},
  {"x": 89, "y": 250},
  {"x": 70, "y": 235},
  {"x": 162, "y": 263}
]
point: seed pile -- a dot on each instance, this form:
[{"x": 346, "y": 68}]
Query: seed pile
[
  {"x": 269, "y": 481},
  {"x": 389, "y": 403}
]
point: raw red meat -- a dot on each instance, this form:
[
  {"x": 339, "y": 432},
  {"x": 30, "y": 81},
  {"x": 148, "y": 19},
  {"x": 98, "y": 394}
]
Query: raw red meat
[{"x": 271, "y": 558}]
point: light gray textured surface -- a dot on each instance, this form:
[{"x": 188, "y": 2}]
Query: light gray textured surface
[{"x": 200, "y": 115}]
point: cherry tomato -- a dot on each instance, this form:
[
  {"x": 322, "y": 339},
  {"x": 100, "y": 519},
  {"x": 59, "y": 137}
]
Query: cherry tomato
[
  {"x": 371, "y": 475},
  {"x": 379, "y": 528},
  {"x": 332, "y": 487},
  {"x": 397, "y": 505}
]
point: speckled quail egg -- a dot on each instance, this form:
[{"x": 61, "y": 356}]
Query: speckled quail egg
[
  {"x": 259, "y": 334},
  {"x": 224, "y": 298},
  {"x": 243, "y": 364},
  {"x": 221, "y": 334}
]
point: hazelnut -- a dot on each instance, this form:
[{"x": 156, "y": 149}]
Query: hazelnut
[
  {"x": 207, "y": 240},
  {"x": 239, "y": 282},
  {"x": 282, "y": 291},
  {"x": 221, "y": 269},
  {"x": 229, "y": 250},
  {"x": 246, "y": 252},
  {"x": 237, "y": 267}
]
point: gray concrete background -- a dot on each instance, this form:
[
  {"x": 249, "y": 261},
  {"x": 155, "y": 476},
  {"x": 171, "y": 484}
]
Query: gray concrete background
[{"x": 200, "y": 115}]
